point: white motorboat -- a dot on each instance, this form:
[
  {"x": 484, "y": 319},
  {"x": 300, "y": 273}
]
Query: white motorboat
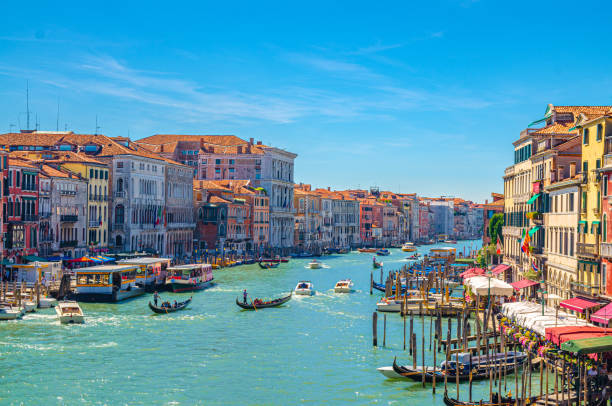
[
  {"x": 389, "y": 305},
  {"x": 304, "y": 288},
  {"x": 314, "y": 264},
  {"x": 69, "y": 311},
  {"x": 344, "y": 286},
  {"x": 46, "y": 302},
  {"x": 29, "y": 306},
  {"x": 10, "y": 312},
  {"x": 409, "y": 247}
]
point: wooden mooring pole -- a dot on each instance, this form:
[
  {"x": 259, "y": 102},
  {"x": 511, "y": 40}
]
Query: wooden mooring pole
[{"x": 374, "y": 329}]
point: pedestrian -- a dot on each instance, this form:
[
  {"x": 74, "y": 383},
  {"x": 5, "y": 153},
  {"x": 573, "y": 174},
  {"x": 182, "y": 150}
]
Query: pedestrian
[{"x": 244, "y": 296}]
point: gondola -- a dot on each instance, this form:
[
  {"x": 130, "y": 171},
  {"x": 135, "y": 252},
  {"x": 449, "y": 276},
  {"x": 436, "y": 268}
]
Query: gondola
[
  {"x": 263, "y": 305},
  {"x": 496, "y": 401},
  {"x": 376, "y": 265},
  {"x": 163, "y": 310},
  {"x": 268, "y": 265},
  {"x": 381, "y": 287},
  {"x": 478, "y": 373}
]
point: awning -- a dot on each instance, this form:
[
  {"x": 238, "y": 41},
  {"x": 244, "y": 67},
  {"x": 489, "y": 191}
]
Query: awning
[
  {"x": 483, "y": 286},
  {"x": 578, "y": 304},
  {"x": 500, "y": 269},
  {"x": 534, "y": 230},
  {"x": 33, "y": 258},
  {"x": 524, "y": 283},
  {"x": 603, "y": 315},
  {"x": 537, "y": 121},
  {"x": 533, "y": 198},
  {"x": 583, "y": 346},
  {"x": 559, "y": 335},
  {"x": 82, "y": 259}
]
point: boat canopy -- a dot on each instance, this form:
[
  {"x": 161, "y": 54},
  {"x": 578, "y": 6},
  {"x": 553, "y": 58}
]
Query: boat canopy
[
  {"x": 143, "y": 261},
  {"x": 595, "y": 345},
  {"x": 107, "y": 269}
]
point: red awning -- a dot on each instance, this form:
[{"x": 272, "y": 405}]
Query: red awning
[
  {"x": 603, "y": 315},
  {"x": 559, "y": 335},
  {"x": 578, "y": 304},
  {"x": 500, "y": 269},
  {"x": 473, "y": 272},
  {"x": 523, "y": 283}
]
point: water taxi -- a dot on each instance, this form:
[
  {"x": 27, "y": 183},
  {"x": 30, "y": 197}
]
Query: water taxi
[
  {"x": 151, "y": 271},
  {"x": 304, "y": 288},
  {"x": 314, "y": 264},
  {"x": 107, "y": 283},
  {"x": 443, "y": 253},
  {"x": 366, "y": 249},
  {"x": 185, "y": 278},
  {"x": 46, "y": 302},
  {"x": 10, "y": 312},
  {"x": 69, "y": 312},
  {"x": 409, "y": 247},
  {"x": 383, "y": 252},
  {"x": 344, "y": 286}
]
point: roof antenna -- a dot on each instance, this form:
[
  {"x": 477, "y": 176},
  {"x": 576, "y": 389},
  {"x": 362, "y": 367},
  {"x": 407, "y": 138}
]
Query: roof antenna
[
  {"x": 27, "y": 104},
  {"x": 57, "y": 117},
  {"x": 97, "y": 126}
]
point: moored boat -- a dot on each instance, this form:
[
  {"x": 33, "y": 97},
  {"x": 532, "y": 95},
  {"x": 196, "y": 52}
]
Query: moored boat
[
  {"x": 29, "y": 306},
  {"x": 167, "y": 307},
  {"x": 107, "y": 283},
  {"x": 304, "y": 288},
  {"x": 261, "y": 304},
  {"x": 344, "y": 250},
  {"x": 382, "y": 252},
  {"x": 268, "y": 265},
  {"x": 188, "y": 278},
  {"x": 497, "y": 401},
  {"x": 46, "y": 302},
  {"x": 314, "y": 264},
  {"x": 10, "y": 312},
  {"x": 69, "y": 312},
  {"x": 344, "y": 286}
]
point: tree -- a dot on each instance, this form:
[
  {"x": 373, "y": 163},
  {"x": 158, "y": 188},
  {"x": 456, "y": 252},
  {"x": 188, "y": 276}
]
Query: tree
[{"x": 495, "y": 227}]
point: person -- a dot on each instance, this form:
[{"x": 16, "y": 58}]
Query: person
[
  {"x": 244, "y": 296},
  {"x": 174, "y": 304},
  {"x": 155, "y": 298}
]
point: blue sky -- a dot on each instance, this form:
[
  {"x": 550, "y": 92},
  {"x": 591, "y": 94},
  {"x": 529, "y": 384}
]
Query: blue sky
[{"x": 421, "y": 97}]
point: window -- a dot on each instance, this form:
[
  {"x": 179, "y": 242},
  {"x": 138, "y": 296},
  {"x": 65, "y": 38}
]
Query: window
[
  {"x": 91, "y": 174},
  {"x": 585, "y": 167},
  {"x": 217, "y": 162},
  {"x": 598, "y": 164},
  {"x": 18, "y": 178},
  {"x": 217, "y": 170},
  {"x": 605, "y": 185},
  {"x": 604, "y": 227},
  {"x": 585, "y": 136},
  {"x": 119, "y": 165},
  {"x": 584, "y": 201},
  {"x": 599, "y": 133},
  {"x": 571, "y": 202},
  {"x": 231, "y": 170},
  {"x": 231, "y": 162},
  {"x": 106, "y": 175}
]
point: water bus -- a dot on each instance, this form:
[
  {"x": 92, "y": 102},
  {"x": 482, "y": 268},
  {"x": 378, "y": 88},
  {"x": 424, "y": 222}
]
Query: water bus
[
  {"x": 186, "y": 278},
  {"x": 151, "y": 273},
  {"x": 107, "y": 283}
]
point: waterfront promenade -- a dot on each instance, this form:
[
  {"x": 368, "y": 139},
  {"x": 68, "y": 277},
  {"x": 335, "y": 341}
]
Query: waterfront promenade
[{"x": 313, "y": 350}]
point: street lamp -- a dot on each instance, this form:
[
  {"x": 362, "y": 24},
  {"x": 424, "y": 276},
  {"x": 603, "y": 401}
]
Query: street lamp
[{"x": 542, "y": 292}]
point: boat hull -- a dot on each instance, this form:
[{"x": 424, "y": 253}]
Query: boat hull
[
  {"x": 344, "y": 290},
  {"x": 314, "y": 266},
  {"x": 189, "y": 287},
  {"x": 389, "y": 372},
  {"x": 46, "y": 302},
  {"x": 116, "y": 296},
  {"x": 303, "y": 292},
  {"x": 10, "y": 314}
]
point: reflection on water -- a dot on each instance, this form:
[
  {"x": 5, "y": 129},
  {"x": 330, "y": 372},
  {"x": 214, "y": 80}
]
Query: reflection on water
[{"x": 315, "y": 349}]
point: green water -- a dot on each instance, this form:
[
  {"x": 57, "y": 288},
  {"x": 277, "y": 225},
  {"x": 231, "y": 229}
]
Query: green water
[{"x": 313, "y": 350}]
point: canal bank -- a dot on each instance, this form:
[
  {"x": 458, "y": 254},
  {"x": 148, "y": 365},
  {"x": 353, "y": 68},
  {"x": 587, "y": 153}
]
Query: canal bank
[{"x": 313, "y": 350}]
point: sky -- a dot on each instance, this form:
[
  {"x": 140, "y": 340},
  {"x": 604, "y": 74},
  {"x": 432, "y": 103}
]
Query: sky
[{"x": 415, "y": 97}]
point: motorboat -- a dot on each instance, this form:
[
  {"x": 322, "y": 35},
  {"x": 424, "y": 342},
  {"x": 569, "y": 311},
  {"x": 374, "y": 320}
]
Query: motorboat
[
  {"x": 314, "y": 264},
  {"x": 367, "y": 249},
  {"x": 409, "y": 247},
  {"x": 304, "y": 288},
  {"x": 191, "y": 277},
  {"x": 383, "y": 252},
  {"x": 10, "y": 312},
  {"x": 45, "y": 302},
  {"x": 69, "y": 312},
  {"x": 29, "y": 305},
  {"x": 414, "y": 257},
  {"x": 344, "y": 286}
]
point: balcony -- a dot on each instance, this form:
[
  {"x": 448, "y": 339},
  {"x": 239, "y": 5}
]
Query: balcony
[
  {"x": 93, "y": 223},
  {"x": 69, "y": 218},
  {"x": 45, "y": 214},
  {"x": 118, "y": 226},
  {"x": 97, "y": 198},
  {"x": 68, "y": 192},
  {"x": 68, "y": 244},
  {"x": 587, "y": 250},
  {"x": 29, "y": 217},
  {"x": 583, "y": 289},
  {"x": 120, "y": 193},
  {"x": 537, "y": 250},
  {"x": 607, "y": 160},
  {"x": 605, "y": 249}
]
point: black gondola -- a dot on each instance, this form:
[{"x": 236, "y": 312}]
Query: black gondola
[
  {"x": 169, "y": 309},
  {"x": 263, "y": 305},
  {"x": 478, "y": 372},
  {"x": 269, "y": 265},
  {"x": 496, "y": 401}
]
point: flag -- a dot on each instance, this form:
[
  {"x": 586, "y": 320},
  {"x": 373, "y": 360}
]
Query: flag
[
  {"x": 499, "y": 246},
  {"x": 534, "y": 267},
  {"x": 525, "y": 242},
  {"x": 158, "y": 217},
  {"x": 100, "y": 221}
]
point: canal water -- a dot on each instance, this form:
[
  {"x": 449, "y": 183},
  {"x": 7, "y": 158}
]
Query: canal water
[{"x": 313, "y": 350}]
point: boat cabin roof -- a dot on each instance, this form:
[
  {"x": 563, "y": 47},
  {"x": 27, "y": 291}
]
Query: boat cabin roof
[
  {"x": 106, "y": 269},
  {"x": 143, "y": 261},
  {"x": 190, "y": 267}
]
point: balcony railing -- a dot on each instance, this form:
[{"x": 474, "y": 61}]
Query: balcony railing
[
  {"x": 98, "y": 197},
  {"x": 69, "y": 243},
  {"x": 120, "y": 194},
  {"x": 94, "y": 223},
  {"x": 118, "y": 226},
  {"x": 68, "y": 192},
  {"x": 588, "y": 250},
  {"x": 580, "y": 288},
  {"x": 71, "y": 218},
  {"x": 29, "y": 217},
  {"x": 605, "y": 249}
]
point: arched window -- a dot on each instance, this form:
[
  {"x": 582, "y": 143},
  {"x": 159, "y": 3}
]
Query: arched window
[
  {"x": 119, "y": 214},
  {"x": 118, "y": 241}
]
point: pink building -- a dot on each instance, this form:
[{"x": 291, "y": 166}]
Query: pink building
[{"x": 424, "y": 223}]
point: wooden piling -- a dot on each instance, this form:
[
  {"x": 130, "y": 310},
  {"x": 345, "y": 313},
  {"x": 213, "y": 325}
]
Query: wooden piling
[
  {"x": 434, "y": 372},
  {"x": 374, "y": 329},
  {"x": 411, "y": 331},
  {"x": 385, "y": 330},
  {"x": 371, "y": 281},
  {"x": 448, "y": 337},
  {"x": 541, "y": 377},
  {"x": 423, "y": 346},
  {"x": 470, "y": 380},
  {"x": 404, "y": 317},
  {"x": 414, "y": 351}
]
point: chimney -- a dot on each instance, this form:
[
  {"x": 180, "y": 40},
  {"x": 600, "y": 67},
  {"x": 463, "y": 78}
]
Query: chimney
[
  {"x": 572, "y": 169},
  {"x": 258, "y": 142},
  {"x": 251, "y": 140},
  {"x": 486, "y": 201}
]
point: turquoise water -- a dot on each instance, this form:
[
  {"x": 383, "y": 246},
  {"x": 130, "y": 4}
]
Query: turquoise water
[{"x": 313, "y": 350}]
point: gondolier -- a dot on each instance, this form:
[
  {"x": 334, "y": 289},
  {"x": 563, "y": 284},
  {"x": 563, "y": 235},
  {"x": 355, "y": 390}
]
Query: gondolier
[
  {"x": 155, "y": 297},
  {"x": 244, "y": 296}
]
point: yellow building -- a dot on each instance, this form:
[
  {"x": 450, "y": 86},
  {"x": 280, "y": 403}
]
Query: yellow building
[
  {"x": 593, "y": 128},
  {"x": 97, "y": 174}
]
